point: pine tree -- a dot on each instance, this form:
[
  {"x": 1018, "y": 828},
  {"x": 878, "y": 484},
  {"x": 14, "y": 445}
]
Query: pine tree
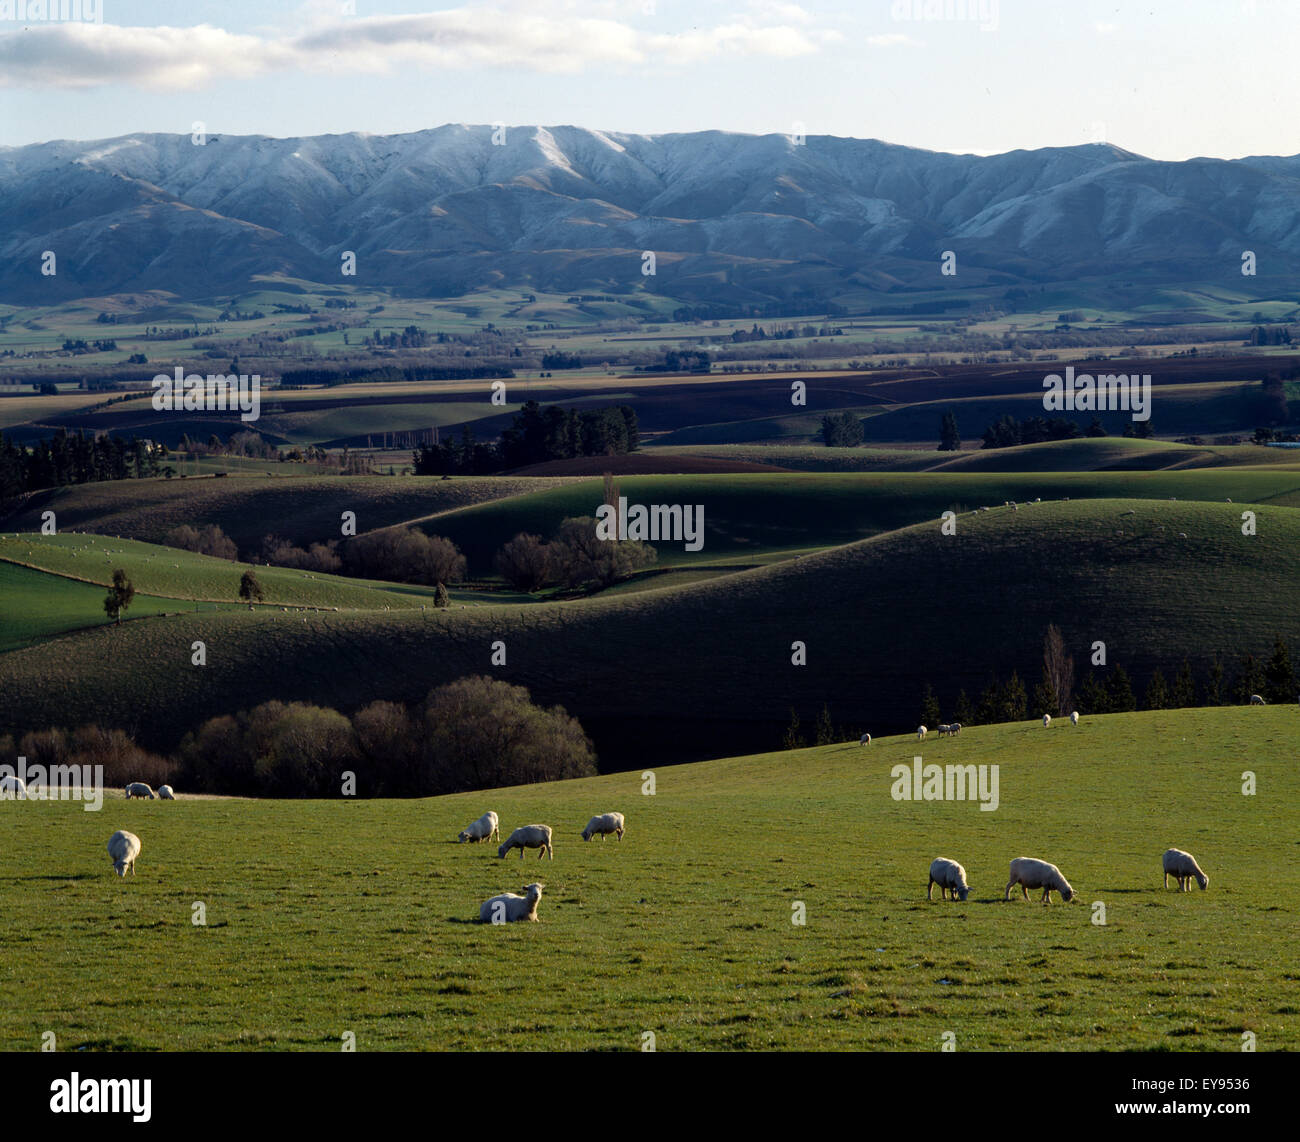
[
  {"x": 1120, "y": 691},
  {"x": 440, "y": 597},
  {"x": 793, "y": 738},
  {"x": 825, "y": 730},
  {"x": 1093, "y": 696},
  {"x": 991, "y": 706},
  {"x": 1157, "y": 695},
  {"x": 929, "y": 707},
  {"x": 1279, "y": 674},
  {"x": 1249, "y": 681},
  {"x": 963, "y": 711},
  {"x": 1016, "y": 701},
  {"x": 949, "y": 436},
  {"x": 1044, "y": 699},
  {"x": 119, "y": 596},
  {"x": 1215, "y": 689},
  {"x": 1182, "y": 694}
]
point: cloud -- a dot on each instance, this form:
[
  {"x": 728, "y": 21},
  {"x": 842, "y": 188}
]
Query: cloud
[
  {"x": 545, "y": 37},
  {"x": 893, "y": 40}
]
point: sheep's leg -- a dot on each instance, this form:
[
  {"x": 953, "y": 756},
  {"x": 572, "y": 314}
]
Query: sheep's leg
[
  {"x": 1007, "y": 894},
  {"x": 929, "y": 889},
  {"x": 1166, "y": 880},
  {"x": 1024, "y": 892}
]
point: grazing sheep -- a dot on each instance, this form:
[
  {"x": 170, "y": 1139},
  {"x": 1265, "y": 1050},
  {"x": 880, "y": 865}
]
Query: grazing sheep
[
  {"x": 1256, "y": 700},
  {"x": 508, "y": 907},
  {"x": 1183, "y": 866},
  {"x": 955, "y": 727},
  {"x": 124, "y": 847},
  {"x": 1047, "y": 719},
  {"x": 605, "y": 823},
  {"x": 138, "y": 789},
  {"x": 1031, "y": 873},
  {"x": 529, "y": 837},
  {"x": 920, "y": 733},
  {"x": 166, "y": 793},
  {"x": 865, "y": 739},
  {"x": 13, "y": 788},
  {"x": 484, "y": 829},
  {"x": 949, "y": 876},
  {"x": 1074, "y": 717},
  {"x": 944, "y": 730}
]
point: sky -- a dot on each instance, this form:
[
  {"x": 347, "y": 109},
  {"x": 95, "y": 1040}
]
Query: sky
[{"x": 1170, "y": 79}]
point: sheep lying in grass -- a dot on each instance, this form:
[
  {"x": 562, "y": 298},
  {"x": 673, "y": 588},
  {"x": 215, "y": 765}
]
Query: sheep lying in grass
[
  {"x": 166, "y": 793},
  {"x": 508, "y": 907},
  {"x": 529, "y": 837},
  {"x": 920, "y": 733},
  {"x": 138, "y": 789},
  {"x": 949, "y": 876},
  {"x": 1074, "y": 717},
  {"x": 1182, "y": 866},
  {"x": 1031, "y": 873},
  {"x": 124, "y": 847},
  {"x": 13, "y": 788},
  {"x": 604, "y": 824},
  {"x": 484, "y": 829}
]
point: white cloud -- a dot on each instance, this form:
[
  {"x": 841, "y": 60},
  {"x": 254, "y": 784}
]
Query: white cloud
[
  {"x": 548, "y": 36},
  {"x": 893, "y": 40}
]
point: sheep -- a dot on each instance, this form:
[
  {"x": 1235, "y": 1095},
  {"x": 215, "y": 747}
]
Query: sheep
[
  {"x": 920, "y": 733},
  {"x": 529, "y": 837},
  {"x": 1184, "y": 867},
  {"x": 948, "y": 875},
  {"x": 1256, "y": 700},
  {"x": 1074, "y": 717},
  {"x": 944, "y": 730},
  {"x": 13, "y": 788},
  {"x": 955, "y": 728},
  {"x": 1047, "y": 719},
  {"x": 605, "y": 823},
  {"x": 865, "y": 739},
  {"x": 484, "y": 829},
  {"x": 508, "y": 907},
  {"x": 1031, "y": 873},
  {"x": 166, "y": 793},
  {"x": 124, "y": 847},
  {"x": 138, "y": 789}
]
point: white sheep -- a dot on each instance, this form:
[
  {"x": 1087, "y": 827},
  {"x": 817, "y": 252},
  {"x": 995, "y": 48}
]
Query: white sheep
[
  {"x": 166, "y": 793},
  {"x": 920, "y": 733},
  {"x": 124, "y": 847},
  {"x": 865, "y": 739},
  {"x": 13, "y": 789},
  {"x": 529, "y": 837},
  {"x": 1183, "y": 867},
  {"x": 949, "y": 876},
  {"x": 484, "y": 829},
  {"x": 138, "y": 789},
  {"x": 944, "y": 730},
  {"x": 1074, "y": 717},
  {"x": 1047, "y": 719},
  {"x": 603, "y": 824},
  {"x": 1256, "y": 700},
  {"x": 508, "y": 907},
  {"x": 1031, "y": 873}
]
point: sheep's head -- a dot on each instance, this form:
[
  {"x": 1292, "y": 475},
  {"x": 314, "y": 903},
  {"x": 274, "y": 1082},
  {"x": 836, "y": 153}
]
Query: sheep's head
[
  {"x": 963, "y": 892},
  {"x": 1203, "y": 881},
  {"x": 502, "y": 849},
  {"x": 1067, "y": 893},
  {"x": 586, "y": 836},
  {"x": 463, "y": 837},
  {"x": 533, "y": 890}
]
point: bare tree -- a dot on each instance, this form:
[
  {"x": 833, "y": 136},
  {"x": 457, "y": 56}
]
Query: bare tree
[{"x": 1059, "y": 669}]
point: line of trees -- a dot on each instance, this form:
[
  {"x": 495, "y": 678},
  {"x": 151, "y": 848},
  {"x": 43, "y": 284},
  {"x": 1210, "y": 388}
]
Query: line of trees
[
  {"x": 73, "y": 459},
  {"x": 575, "y": 558}
]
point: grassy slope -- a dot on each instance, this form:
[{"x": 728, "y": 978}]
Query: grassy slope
[
  {"x": 878, "y": 617},
  {"x": 352, "y": 916},
  {"x": 305, "y": 510}
]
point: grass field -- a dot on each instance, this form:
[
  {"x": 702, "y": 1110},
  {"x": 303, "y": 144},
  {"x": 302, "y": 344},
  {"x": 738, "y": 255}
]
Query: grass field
[{"x": 328, "y": 917}]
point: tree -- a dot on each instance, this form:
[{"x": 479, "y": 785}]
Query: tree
[
  {"x": 793, "y": 739},
  {"x": 1144, "y": 430},
  {"x": 841, "y": 430},
  {"x": 991, "y": 706},
  {"x": 1096, "y": 428},
  {"x": 962, "y": 711},
  {"x": 1215, "y": 690},
  {"x": 441, "y": 599},
  {"x": 250, "y": 590},
  {"x": 581, "y": 557},
  {"x": 1093, "y": 696},
  {"x": 1250, "y": 681},
  {"x": 1044, "y": 697},
  {"x": 1016, "y": 703},
  {"x": 1182, "y": 694},
  {"x": 825, "y": 730},
  {"x": 1058, "y": 669},
  {"x": 1120, "y": 692},
  {"x": 949, "y": 436},
  {"x": 525, "y": 563},
  {"x": 929, "y": 707},
  {"x": 1279, "y": 674},
  {"x": 119, "y": 596},
  {"x": 1157, "y": 695}
]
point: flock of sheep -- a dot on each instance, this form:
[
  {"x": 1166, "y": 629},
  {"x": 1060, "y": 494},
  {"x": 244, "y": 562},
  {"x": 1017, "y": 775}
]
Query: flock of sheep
[
  {"x": 1029, "y": 872},
  {"x": 509, "y": 906},
  {"x": 955, "y": 728}
]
